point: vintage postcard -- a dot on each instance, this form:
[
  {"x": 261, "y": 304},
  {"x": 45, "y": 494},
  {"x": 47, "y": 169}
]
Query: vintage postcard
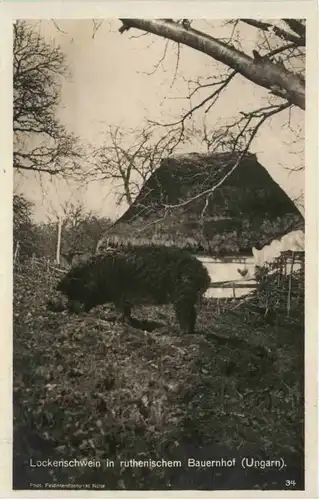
[{"x": 159, "y": 261}]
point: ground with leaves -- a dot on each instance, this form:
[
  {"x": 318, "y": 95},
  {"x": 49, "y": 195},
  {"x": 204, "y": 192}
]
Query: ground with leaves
[{"x": 87, "y": 387}]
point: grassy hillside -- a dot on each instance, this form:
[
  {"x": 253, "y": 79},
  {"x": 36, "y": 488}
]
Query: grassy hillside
[{"x": 87, "y": 387}]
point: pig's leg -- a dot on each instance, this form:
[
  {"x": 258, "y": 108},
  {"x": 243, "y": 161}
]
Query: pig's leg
[
  {"x": 123, "y": 309},
  {"x": 185, "y": 312},
  {"x": 75, "y": 306},
  {"x": 88, "y": 306}
]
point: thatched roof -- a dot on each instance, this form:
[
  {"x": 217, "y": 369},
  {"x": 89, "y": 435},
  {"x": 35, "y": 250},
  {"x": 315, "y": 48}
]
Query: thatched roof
[{"x": 243, "y": 211}]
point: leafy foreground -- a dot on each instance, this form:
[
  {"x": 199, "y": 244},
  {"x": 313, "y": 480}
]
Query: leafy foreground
[{"x": 88, "y": 388}]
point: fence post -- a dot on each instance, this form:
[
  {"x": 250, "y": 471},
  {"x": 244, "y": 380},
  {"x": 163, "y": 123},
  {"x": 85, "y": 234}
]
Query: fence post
[
  {"x": 285, "y": 268},
  {"x": 289, "y": 284},
  {"x": 16, "y": 252},
  {"x": 280, "y": 269},
  {"x": 302, "y": 278},
  {"x": 58, "y": 246}
]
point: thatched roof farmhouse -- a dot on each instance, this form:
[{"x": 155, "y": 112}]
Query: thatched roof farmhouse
[{"x": 247, "y": 209}]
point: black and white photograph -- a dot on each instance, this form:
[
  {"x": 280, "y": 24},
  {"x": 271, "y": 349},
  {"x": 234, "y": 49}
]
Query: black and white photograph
[{"x": 158, "y": 254}]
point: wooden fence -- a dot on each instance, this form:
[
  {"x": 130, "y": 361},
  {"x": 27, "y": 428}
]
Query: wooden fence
[
  {"x": 46, "y": 264},
  {"x": 233, "y": 285}
]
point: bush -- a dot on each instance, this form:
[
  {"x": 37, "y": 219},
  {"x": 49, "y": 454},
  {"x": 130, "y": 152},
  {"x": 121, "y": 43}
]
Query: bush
[{"x": 279, "y": 292}]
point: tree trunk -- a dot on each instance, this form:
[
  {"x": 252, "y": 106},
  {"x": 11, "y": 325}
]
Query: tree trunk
[{"x": 127, "y": 191}]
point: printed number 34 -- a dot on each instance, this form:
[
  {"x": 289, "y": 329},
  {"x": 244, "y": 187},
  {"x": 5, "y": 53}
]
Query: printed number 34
[{"x": 290, "y": 482}]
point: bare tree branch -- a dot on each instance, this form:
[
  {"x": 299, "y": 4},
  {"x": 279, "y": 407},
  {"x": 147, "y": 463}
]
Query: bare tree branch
[
  {"x": 223, "y": 84},
  {"x": 280, "y": 50},
  {"x": 176, "y": 65},
  {"x": 262, "y": 115},
  {"x": 297, "y": 27},
  {"x": 97, "y": 23},
  {"x": 129, "y": 163},
  {"x": 280, "y": 32},
  {"x": 160, "y": 61},
  {"x": 263, "y": 72},
  {"x": 56, "y": 25},
  {"x": 41, "y": 142}
]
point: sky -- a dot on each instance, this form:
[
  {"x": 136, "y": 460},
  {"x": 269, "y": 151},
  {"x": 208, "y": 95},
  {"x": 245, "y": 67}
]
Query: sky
[{"x": 110, "y": 84}]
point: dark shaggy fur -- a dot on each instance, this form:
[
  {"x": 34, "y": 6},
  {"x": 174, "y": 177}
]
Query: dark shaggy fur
[{"x": 142, "y": 275}]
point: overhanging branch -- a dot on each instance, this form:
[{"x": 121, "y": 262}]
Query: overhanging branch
[{"x": 263, "y": 72}]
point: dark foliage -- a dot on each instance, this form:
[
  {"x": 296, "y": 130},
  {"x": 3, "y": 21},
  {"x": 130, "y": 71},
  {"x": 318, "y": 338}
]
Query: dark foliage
[
  {"x": 81, "y": 234},
  {"x": 78, "y": 242},
  {"x": 279, "y": 292},
  {"x": 24, "y": 231},
  {"x": 140, "y": 276}
]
